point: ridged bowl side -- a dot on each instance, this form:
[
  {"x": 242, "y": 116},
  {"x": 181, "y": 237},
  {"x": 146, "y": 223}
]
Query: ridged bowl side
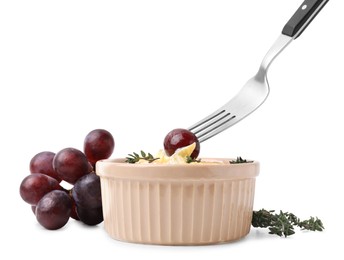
[{"x": 169, "y": 212}]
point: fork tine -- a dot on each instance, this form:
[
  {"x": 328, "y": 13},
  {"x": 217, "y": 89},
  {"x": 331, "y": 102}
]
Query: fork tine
[
  {"x": 206, "y": 119},
  {"x": 212, "y": 124},
  {"x": 214, "y": 127}
]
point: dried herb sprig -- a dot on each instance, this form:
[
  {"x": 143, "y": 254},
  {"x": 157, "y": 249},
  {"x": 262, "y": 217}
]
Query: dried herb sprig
[
  {"x": 240, "y": 160},
  {"x": 283, "y": 223},
  {"x": 189, "y": 159},
  {"x": 313, "y": 224},
  {"x": 135, "y": 157}
]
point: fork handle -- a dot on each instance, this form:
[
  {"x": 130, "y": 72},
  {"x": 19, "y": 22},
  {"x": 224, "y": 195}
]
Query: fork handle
[{"x": 303, "y": 17}]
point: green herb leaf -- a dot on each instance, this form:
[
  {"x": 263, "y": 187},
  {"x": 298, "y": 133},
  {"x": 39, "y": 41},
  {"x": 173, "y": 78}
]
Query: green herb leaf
[
  {"x": 283, "y": 223},
  {"x": 313, "y": 224},
  {"x": 189, "y": 159},
  {"x": 240, "y": 160},
  {"x": 135, "y": 157}
]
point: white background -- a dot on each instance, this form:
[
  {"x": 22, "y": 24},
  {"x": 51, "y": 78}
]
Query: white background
[{"x": 142, "y": 68}]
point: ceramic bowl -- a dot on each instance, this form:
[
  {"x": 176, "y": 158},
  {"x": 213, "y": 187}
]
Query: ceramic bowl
[{"x": 184, "y": 204}]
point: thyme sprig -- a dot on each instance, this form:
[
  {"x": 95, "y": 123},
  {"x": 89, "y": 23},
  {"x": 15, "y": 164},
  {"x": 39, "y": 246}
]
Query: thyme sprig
[
  {"x": 135, "y": 157},
  {"x": 189, "y": 159},
  {"x": 283, "y": 223},
  {"x": 239, "y": 160}
]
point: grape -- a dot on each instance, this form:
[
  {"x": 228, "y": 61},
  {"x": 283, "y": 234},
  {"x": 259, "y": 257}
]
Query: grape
[
  {"x": 43, "y": 163},
  {"x": 90, "y": 167},
  {"x": 87, "y": 196},
  {"x": 179, "y": 138},
  {"x": 53, "y": 210},
  {"x": 90, "y": 217},
  {"x": 73, "y": 213},
  {"x": 35, "y": 186},
  {"x": 86, "y": 192},
  {"x": 98, "y": 144},
  {"x": 70, "y": 164},
  {"x": 33, "y": 208}
]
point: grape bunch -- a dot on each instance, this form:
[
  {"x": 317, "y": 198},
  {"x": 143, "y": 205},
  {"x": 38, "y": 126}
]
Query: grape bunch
[{"x": 52, "y": 204}]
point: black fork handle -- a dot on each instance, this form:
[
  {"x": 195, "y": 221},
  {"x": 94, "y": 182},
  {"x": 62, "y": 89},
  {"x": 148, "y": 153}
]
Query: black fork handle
[{"x": 303, "y": 17}]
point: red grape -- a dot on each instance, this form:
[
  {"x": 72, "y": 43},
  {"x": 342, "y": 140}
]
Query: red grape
[
  {"x": 87, "y": 196},
  {"x": 86, "y": 192},
  {"x": 36, "y": 185},
  {"x": 179, "y": 138},
  {"x": 90, "y": 217},
  {"x": 53, "y": 210},
  {"x": 73, "y": 213},
  {"x": 70, "y": 164},
  {"x": 90, "y": 167},
  {"x": 43, "y": 163},
  {"x": 98, "y": 144},
  {"x": 33, "y": 208}
]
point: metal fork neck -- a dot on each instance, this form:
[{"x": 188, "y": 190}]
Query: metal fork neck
[{"x": 279, "y": 45}]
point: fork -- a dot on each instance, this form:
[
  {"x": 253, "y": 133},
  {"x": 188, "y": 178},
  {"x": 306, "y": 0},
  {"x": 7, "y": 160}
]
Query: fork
[{"x": 256, "y": 90}]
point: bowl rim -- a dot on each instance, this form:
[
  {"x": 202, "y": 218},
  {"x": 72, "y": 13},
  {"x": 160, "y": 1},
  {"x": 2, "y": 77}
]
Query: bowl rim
[{"x": 119, "y": 169}]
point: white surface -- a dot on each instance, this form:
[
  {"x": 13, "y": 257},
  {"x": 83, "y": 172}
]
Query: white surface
[{"x": 142, "y": 68}]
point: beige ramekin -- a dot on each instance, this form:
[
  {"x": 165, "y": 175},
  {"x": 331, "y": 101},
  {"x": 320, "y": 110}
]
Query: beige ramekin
[{"x": 189, "y": 204}]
